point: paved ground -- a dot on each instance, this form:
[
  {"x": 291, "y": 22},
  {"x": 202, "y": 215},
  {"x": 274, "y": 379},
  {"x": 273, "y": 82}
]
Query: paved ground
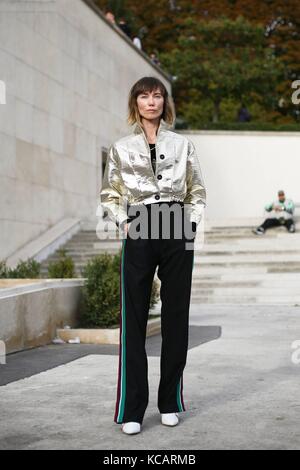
[
  {"x": 33, "y": 361},
  {"x": 241, "y": 389}
]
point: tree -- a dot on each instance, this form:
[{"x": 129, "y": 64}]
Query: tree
[
  {"x": 222, "y": 59},
  {"x": 164, "y": 22}
]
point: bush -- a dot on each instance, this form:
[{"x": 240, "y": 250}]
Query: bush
[
  {"x": 3, "y": 269},
  {"x": 101, "y": 292},
  {"x": 63, "y": 268},
  {"x": 29, "y": 269}
]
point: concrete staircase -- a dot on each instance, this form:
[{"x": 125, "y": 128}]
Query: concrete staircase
[
  {"x": 236, "y": 266},
  {"x": 232, "y": 266}
]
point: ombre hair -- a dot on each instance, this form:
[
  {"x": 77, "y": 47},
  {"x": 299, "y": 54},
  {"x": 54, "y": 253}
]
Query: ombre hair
[{"x": 149, "y": 84}]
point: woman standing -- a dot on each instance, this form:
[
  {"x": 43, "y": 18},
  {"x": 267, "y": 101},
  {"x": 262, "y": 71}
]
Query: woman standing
[{"x": 153, "y": 168}]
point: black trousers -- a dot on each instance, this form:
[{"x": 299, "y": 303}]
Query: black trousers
[
  {"x": 274, "y": 222},
  {"x": 139, "y": 260}
]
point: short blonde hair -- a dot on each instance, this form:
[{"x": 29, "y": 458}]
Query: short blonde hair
[{"x": 149, "y": 84}]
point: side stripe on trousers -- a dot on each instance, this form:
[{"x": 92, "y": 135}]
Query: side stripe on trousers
[
  {"x": 180, "y": 401},
  {"x": 121, "y": 393}
]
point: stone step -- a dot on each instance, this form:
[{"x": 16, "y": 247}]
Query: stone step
[
  {"x": 202, "y": 266},
  {"x": 89, "y": 243},
  {"x": 247, "y": 257},
  {"x": 270, "y": 277},
  {"x": 274, "y": 284},
  {"x": 245, "y": 236},
  {"x": 214, "y": 283},
  {"x": 269, "y": 265},
  {"x": 231, "y": 264},
  {"x": 213, "y": 250},
  {"x": 227, "y": 230},
  {"x": 245, "y": 300},
  {"x": 207, "y": 233},
  {"x": 248, "y": 291},
  {"x": 250, "y": 244},
  {"x": 266, "y": 239},
  {"x": 207, "y": 237},
  {"x": 240, "y": 250},
  {"x": 275, "y": 270}
]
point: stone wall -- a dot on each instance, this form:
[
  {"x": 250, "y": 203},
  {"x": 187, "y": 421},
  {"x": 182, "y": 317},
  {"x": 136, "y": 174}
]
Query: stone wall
[{"x": 67, "y": 74}]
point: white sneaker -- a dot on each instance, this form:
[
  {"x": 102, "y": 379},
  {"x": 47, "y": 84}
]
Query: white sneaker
[
  {"x": 169, "y": 419},
  {"x": 258, "y": 231},
  {"x": 292, "y": 228},
  {"x": 131, "y": 427}
]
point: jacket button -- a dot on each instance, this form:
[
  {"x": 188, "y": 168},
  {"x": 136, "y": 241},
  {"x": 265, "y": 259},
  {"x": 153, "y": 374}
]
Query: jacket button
[
  {"x": 157, "y": 196},
  {"x": 162, "y": 156},
  {"x": 159, "y": 177}
]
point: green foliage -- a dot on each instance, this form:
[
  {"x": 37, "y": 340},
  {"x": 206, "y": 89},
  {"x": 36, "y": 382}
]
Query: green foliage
[
  {"x": 198, "y": 116},
  {"x": 271, "y": 28},
  {"x": 3, "y": 269},
  {"x": 101, "y": 292},
  {"x": 221, "y": 60},
  {"x": 29, "y": 269},
  {"x": 62, "y": 268}
]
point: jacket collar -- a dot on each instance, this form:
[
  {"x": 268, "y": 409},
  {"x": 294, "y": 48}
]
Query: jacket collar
[{"x": 163, "y": 125}]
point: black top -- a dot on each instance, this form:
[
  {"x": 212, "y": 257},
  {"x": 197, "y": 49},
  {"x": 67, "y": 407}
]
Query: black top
[{"x": 153, "y": 156}]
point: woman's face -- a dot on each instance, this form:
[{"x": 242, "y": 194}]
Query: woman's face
[{"x": 150, "y": 104}]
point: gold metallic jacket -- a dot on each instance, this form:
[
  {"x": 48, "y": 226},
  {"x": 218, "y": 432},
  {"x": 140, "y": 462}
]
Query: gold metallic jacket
[{"x": 129, "y": 178}]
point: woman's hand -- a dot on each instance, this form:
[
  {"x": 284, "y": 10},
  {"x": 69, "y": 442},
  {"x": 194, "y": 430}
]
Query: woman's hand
[{"x": 124, "y": 227}]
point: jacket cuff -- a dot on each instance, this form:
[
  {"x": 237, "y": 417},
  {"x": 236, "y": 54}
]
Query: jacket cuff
[{"x": 195, "y": 213}]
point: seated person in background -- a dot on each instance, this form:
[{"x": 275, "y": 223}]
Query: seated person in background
[{"x": 282, "y": 215}]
